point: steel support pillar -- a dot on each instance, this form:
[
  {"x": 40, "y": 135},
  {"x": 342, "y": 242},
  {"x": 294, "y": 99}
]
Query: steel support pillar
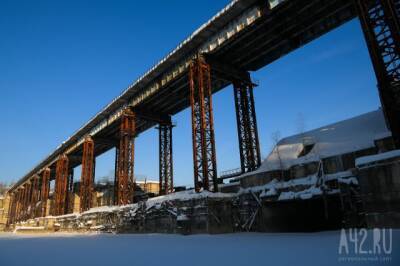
[
  {"x": 12, "y": 209},
  {"x": 380, "y": 23},
  {"x": 44, "y": 194},
  {"x": 204, "y": 155},
  {"x": 166, "y": 185},
  {"x": 250, "y": 157},
  {"x": 125, "y": 165},
  {"x": 19, "y": 201},
  {"x": 61, "y": 185},
  {"x": 26, "y": 201},
  {"x": 34, "y": 197},
  {"x": 69, "y": 201},
  {"x": 116, "y": 176},
  {"x": 22, "y": 204},
  {"x": 86, "y": 187}
]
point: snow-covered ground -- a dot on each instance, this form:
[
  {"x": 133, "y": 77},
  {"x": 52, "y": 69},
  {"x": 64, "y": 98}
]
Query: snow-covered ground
[{"x": 249, "y": 249}]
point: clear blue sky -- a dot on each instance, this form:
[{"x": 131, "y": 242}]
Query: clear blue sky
[{"x": 62, "y": 61}]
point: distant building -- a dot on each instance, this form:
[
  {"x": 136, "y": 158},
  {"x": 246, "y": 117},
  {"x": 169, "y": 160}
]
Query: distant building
[
  {"x": 104, "y": 192},
  {"x": 149, "y": 186}
]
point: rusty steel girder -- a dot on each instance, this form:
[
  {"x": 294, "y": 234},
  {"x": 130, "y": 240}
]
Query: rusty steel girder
[
  {"x": 126, "y": 152},
  {"x": 166, "y": 185},
  {"x": 61, "y": 185},
  {"x": 380, "y": 23},
  {"x": 86, "y": 186},
  {"x": 250, "y": 156},
  {"x": 44, "y": 195},
  {"x": 204, "y": 155}
]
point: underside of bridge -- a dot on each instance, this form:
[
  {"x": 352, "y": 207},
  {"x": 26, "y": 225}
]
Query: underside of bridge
[{"x": 265, "y": 36}]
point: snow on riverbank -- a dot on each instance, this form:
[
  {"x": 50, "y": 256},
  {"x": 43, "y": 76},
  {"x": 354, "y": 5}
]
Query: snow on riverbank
[
  {"x": 153, "y": 249},
  {"x": 270, "y": 189}
]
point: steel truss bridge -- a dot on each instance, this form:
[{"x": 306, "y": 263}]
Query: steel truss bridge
[{"x": 245, "y": 36}]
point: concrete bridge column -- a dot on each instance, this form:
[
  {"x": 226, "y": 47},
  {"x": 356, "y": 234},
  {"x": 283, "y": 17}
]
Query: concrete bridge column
[
  {"x": 44, "y": 195},
  {"x": 86, "y": 187},
  {"x": 204, "y": 155},
  {"x": 61, "y": 186},
  {"x": 381, "y": 26},
  {"x": 166, "y": 184},
  {"x": 125, "y": 159}
]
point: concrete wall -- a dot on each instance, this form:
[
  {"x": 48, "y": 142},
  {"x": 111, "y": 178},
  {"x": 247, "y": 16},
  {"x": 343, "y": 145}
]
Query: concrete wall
[
  {"x": 207, "y": 216},
  {"x": 197, "y": 216},
  {"x": 380, "y": 192}
]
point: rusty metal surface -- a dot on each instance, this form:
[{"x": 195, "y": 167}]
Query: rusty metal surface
[
  {"x": 34, "y": 197},
  {"x": 204, "y": 155},
  {"x": 87, "y": 177},
  {"x": 25, "y": 201},
  {"x": 44, "y": 195},
  {"x": 126, "y": 153},
  {"x": 18, "y": 207},
  {"x": 61, "y": 186}
]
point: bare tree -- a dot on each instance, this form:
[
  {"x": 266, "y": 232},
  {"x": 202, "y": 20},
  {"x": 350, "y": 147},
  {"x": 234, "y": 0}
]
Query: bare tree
[{"x": 276, "y": 136}]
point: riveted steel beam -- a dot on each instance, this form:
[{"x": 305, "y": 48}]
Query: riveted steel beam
[
  {"x": 61, "y": 186},
  {"x": 380, "y": 23},
  {"x": 204, "y": 155},
  {"x": 87, "y": 177},
  {"x": 125, "y": 166},
  {"x": 166, "y": 182}
]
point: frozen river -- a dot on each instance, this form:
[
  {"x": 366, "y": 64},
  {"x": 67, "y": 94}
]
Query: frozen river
[{"x": 155, "y": 249}]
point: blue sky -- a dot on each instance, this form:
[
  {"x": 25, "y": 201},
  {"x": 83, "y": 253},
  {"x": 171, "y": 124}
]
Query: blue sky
[{"x": 63, "y": 61}]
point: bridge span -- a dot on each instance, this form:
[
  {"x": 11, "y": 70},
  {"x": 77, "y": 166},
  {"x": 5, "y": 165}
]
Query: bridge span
[{"x": 244, "y": 37}]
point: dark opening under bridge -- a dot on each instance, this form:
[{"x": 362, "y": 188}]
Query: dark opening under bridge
[{"x": 245, "y": 36}]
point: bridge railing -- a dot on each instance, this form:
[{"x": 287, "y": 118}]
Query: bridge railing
[{"x": 230, "y": 173}]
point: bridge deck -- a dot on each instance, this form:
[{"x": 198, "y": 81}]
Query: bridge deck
[{"x": 245, "y": 34}]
